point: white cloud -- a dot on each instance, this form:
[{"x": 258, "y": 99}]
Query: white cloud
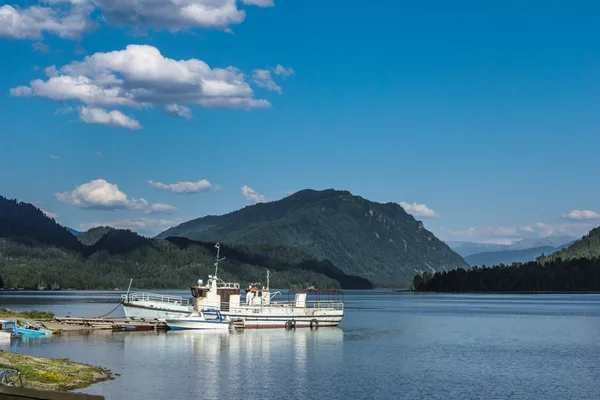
[
  {"x": 176, "y": 15},
  {"x": 99, "y": 154},
  {"x": 260, "y": 3},
  {"x": 418, "y": 210},
  {"x": 581, "y": 215},
  {"x": 140, "y": 76},
  {"x": 94, "y": 115},
  {"x": 100, "y": 194},
  {"x": 34, "y": 21},
  {"x": 263, "y": 79},
  {"x": 284, "y": 72},
  {"x": 251, "y": 195},
  {"x": 218, "y": 188},
  {"x": 177, "y": 110},
  {"x": 141, "y": 225},
  {"x": 182, "y": 187},
  {"x": 49, "y": 214},
  {"x": 158, "y": 208},
  {"x": 54, "y": 157},
  {"x": 536, "y": 230}
]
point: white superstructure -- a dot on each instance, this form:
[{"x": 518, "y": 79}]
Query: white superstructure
[{"x": 258, "y": 310}]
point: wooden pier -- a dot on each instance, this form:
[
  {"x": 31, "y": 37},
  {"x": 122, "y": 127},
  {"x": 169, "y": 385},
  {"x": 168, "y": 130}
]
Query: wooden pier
[{"x": 115, "y": 324}]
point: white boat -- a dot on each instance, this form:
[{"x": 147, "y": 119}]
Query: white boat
[
  {"x": 206, "y": 319},
  {"x": 260, "y": 309}
]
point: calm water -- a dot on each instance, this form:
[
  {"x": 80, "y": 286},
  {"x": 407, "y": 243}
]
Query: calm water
[{"x": 389, "y": 346}]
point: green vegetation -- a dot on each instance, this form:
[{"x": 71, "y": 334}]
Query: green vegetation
[
  {"x": 587, "y": 247},
  {"x": 114, "y": 256},
  {"x": 53, "y": 374},
  {"x": 34, "y": 314},
  {"x": 380, "y": 242},
  {"x": 576, "y": 268},
  {"x": 92, "y": 236}
]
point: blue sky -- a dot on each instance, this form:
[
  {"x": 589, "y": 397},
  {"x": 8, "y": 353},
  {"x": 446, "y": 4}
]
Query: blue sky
[{"x": 482, "y": 119}]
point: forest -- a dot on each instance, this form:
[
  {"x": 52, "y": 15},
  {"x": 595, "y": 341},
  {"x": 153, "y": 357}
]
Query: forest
[
  {"x": 37, "y": 253},
  {"x": 578, "y": 274}
]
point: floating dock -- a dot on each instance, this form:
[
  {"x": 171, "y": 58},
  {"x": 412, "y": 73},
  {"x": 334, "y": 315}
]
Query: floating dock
[{"x": 69, "y": 324}]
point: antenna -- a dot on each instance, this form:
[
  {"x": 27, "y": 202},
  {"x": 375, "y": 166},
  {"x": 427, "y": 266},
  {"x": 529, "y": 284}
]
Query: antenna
[
  {"x": 268, "y": 272},
  {"x": 218, "y": 246}
]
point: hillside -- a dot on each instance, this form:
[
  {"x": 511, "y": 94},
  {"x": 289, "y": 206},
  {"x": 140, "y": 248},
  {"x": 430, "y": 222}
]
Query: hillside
[
  {"x": 586, "y": 247},
  {"x": 23, "y": 222},
  {"x": 507, "y": 257},
  {"x": 380, "y": 242},
  {"x": 36, "y": 252},
  {"x": 90, "y": 237}
]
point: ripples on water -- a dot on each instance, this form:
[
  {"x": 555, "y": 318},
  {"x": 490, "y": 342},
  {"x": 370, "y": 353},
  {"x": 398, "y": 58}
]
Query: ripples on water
[{"x": 390, "y": 345}]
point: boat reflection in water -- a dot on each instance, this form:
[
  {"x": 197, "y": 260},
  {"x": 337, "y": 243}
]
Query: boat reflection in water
[
  {"x": 214, "y": 364},
  {"x": 229, "y": 361}
]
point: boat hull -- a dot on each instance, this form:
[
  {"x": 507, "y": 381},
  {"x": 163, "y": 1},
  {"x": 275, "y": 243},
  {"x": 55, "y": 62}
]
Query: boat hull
[
  {"x": 154, "y": 310},
  {"x": 196, "y": 324}
]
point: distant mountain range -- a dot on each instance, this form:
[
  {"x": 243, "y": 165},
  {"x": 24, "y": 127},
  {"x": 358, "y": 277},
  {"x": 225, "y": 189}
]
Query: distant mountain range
[
  {"x": 507, "y": 257},
  {"x": 380, "y": 242},
  {"x": 466, "y": 249},
  {"x": 478, "y": 254}
]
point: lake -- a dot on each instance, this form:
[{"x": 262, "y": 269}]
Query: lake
[{"x": 389, "y": 345}]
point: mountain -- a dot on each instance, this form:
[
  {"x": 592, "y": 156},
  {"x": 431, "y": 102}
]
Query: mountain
[
  {"x": 587, "y": 247},
  {"x": 90, "y": 237},
  {"x": 507, "y": 257},
  {"x": 550, "y": 241},
  {"x": 379, "y": 242},
  {"x": 23, "y": 222},
  {"x": 38, "y": 253},
  {"x": 73, "y": 231},
  {"x": 465, "y": 249}
]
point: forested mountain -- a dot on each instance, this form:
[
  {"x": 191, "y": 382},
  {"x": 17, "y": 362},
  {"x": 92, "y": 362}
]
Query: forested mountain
[
  {"x": 90, "y": 237},
  {"x": 380, "y": 242},
  {"x": 575, "y": 268},
  {"x": 586, "y": 247},
  {"x": 36, "y": 252},
  {"x": 26, "y": 223}
]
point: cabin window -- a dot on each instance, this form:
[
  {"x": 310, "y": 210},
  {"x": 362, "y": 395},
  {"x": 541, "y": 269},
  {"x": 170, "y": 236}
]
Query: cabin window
[{"x": 259, "y": 294}]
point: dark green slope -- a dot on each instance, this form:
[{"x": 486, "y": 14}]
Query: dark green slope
[
  {"x": 26, "y": 223},
  {"x": 587, "y": 247},
  {"x": 36, "y": 252},
  {"x": 380, "y": 242},
  {"x": 90, "y": 237}
]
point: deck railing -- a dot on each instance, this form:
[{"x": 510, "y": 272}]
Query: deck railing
[{"x": 143, "y": 296}]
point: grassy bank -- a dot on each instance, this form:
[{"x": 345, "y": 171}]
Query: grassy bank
[
  {"x": 53, "y": 373},
  {"x": 34, "y": 314}
]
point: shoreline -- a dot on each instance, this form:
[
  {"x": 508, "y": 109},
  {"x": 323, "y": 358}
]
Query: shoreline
[{"x": 53, "y": 373}]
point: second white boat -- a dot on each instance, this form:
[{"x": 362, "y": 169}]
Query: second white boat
[{"x": 207, "y": 319}]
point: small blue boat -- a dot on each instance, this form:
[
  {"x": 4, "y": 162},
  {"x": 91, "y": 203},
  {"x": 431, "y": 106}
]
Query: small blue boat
[{"x": 33, "y": 328}]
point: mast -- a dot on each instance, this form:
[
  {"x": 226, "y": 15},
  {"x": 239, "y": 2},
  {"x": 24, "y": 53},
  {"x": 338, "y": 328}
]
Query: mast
[
  {"x": 218, "y": 246},
  {"x": 268, "y": 278}
]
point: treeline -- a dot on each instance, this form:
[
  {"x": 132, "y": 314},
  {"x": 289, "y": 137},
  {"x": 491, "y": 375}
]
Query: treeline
[
  {"x": 158, "y": 264},
  {"x": 582, "y": 274},
  {"x": 38, "y": 253}
]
